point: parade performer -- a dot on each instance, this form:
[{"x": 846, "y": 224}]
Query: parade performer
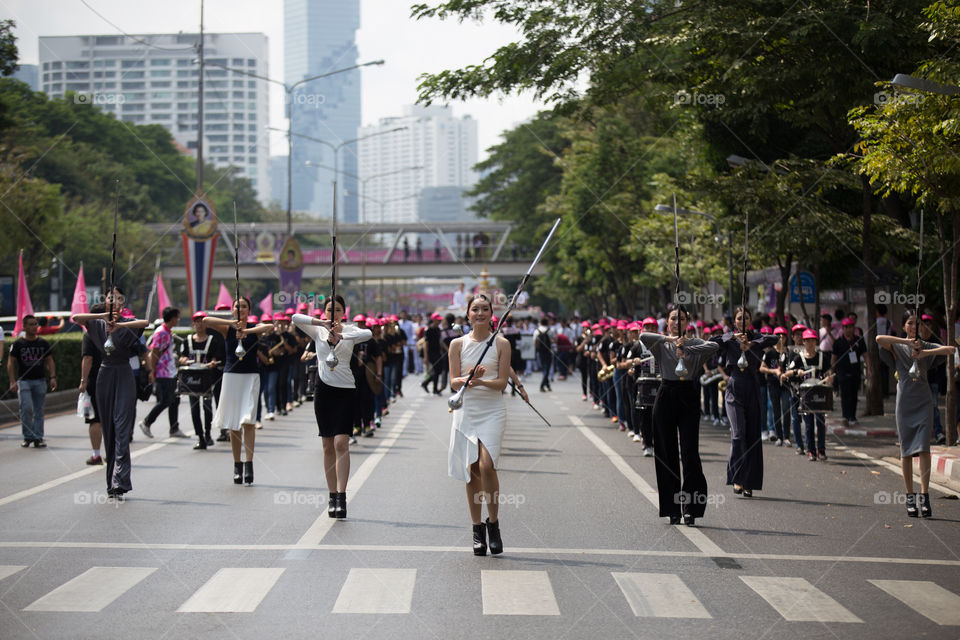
[{"x": 335, "y": 397}]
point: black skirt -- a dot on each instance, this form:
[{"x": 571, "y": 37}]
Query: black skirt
[{"x": 336, "y": 410}]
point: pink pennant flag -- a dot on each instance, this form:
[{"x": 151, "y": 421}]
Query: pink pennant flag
[
  {"x": 266, "y": 305},
  {"x": 24, "y": 306},
  {"x": 224, "y": 297},
  {"x": 80, "y": 304},
  {"x": 162, "y": 298}
]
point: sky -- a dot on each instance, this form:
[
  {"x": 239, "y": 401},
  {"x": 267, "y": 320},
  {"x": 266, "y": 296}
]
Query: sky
[{"x": 409, "y": 48}]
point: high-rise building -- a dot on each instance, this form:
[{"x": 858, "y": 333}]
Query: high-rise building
[
  {"x": 278, "y": 180},
  {"x": 434, "y": 150},
  {"x": 152, "y": 79},
  {"x": 320, "y": 37},
  {"x": 28, "y": 73}
]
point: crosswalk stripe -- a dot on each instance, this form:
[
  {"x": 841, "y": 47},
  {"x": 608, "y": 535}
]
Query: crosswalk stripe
[
  {"x": 517, "y": 593},
  {"x": 659, "y": 595},
  {"x": 926, "y": 598},
  {"x": 7, "y": 570},
  {"x": 377, "y": 591},
  {"x": 232, "y": 591},
  {"x": 92, "y": 590},
  {"x": 799, "y": 601}
]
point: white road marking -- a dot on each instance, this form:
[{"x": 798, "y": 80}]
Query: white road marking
[
  {"x": 517, "y": 593},
  {"x": 799, "y": 601},
  {"x": 659, "y": 595},
  {"x": 377, "y": 591},
  {"x": 926, "y": 598},
  {"x": 694, "y": 535},
  {"x": 7, "y": 570},
  {"x": 232, "y": 591},
  {"x": 92, "y": 590},
  {"x": 322, "y": 525}
]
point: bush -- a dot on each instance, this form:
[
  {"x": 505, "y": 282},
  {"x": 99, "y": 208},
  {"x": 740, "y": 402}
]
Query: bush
[{"x": 66, "y": 358}]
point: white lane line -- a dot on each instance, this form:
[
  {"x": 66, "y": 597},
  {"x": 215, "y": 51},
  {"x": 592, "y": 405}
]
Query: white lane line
[
  {"x": 517, "y": 593},
  {"x": 799, "y": 601},
  {"x": 56, "y": 482},
  {"x": 322, "y": 525},
  {"x": 695, "y": 536},
  {"x": 659, "y": 595},
  {"x": 377, "y": 591},
  {"x": 926, "y": 598},
  {"x": 92, "y": 590},
  {"x": 232, "y": 591},
  {"x": 7, "y": 570}
]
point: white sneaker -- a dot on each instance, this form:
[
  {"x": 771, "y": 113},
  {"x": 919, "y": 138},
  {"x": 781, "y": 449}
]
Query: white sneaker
[
  {"x": 258, "y": 425},
  {"x": 630, "y": 433},
  {"x": 353, "y": 440},
  {"x": 270, "y": 416},
  {"x": 146, "y": 430},
  {"x": 637, "y": 438},
  {"x": 648, "y": 452}
]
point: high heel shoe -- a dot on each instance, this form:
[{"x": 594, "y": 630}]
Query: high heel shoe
[
  {"x": 340, "y": 511},
  {"x": 248, "y": 471},
  {"x": 332, "y": 505},
  {"x": 493, "y": 533},
  {"x": 923, "y": 500},
  {"x": 912, "y": 505},
  {"x": 748, "y": 493},
  {"x": 737, "y": 489},
  {"x": 689, "y": 520},
  {"x": 674, "y": 519},
  {"x": 237, "y": 473},
  {"x": 479, "y": 540}
]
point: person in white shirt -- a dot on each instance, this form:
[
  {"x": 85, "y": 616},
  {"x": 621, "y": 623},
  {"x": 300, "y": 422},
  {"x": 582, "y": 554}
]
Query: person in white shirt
[{"x": 460, "y": 298}]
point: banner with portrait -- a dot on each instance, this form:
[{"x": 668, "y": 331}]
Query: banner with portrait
[
  {"x": 199, "y": 247},
  {"x": 290, "y": 266}
]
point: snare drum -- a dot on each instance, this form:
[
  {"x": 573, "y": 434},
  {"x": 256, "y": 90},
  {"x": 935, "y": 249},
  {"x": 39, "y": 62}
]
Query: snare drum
[
  {"x": 197, "y": 381},
  {"x": 815, "y": 397},
  {"x": 647, "y": 388}
]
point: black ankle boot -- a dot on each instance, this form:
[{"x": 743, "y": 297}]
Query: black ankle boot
[
  {"x": 201, "y": 444},
  {"x": 479, "y": 540},
  {"x": 493, "y": 532},
  {"x": 332, "y": 505},
  {"x": 340, "y": 509},
  {"x": 237, "y": 473},
  {"x": 248, "y": 471},
  {"x": 923, "y": 499}
]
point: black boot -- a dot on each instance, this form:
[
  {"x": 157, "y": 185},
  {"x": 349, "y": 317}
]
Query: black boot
[
  {"x": 493, "y": 531},
  {"x": 479, "y": 540},
  {"x": 248, "y": 471},
  {"x": 332, "y": 505},
  {"x": 223, "y": 437},
  {"x": 923, "y": 499},
  {"x": 201, "y": 444},
  {"x": 340, "y": 510},
  {"x": 237, "y": 473},
  {"x": 207, "y": 438}
]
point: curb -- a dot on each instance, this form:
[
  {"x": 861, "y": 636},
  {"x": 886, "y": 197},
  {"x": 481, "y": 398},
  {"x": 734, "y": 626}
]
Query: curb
[{"x": 942, "y": 463}]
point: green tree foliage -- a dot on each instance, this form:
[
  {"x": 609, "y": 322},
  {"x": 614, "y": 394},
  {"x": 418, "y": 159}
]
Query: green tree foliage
[{"x": 8, "y": 48}]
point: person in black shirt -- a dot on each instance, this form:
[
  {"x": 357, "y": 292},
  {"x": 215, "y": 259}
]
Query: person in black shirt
[
  {"x": 436, "y": 355},
  {"x": 208, "y": 350},
  {"x": 394, "y": 338},
  {"x": 848, "y": 352},
  {"x": 775, "y": 362},
  {"x": 366, "y": 355},
  {"x": 30, "y": 354},
  {"x": 814, "y": 361}
]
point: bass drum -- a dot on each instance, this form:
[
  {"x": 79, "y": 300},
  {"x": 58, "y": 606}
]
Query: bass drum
[
  {"x": 815, "y": 397},
  {"x": 197, "y": 381},
  {"x": 646, "y": 392}
]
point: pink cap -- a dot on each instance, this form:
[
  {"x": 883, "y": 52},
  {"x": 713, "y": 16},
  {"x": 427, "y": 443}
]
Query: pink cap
[
  {"x": 281, "y": 317},
  {"x": 846, "y": 322},
  {"x": 373, "y": 322},
  {"x": 126, "y": 313},
  {"x": 925, "y": 317},
  {"x": 717, "y": 328},
  {"x": 222, "y": 307},
  {"x": 585, "y": 323},
  {"x": 772, "y": 314},
  {"x": 633, "y": 326},
  {"x": 691, "y": 327},
  {"x": 798, "y": 327},
  {"x": 699, "y": 323},
  {"x": 766, "y": 329},
  {"x": 393, "y": 318},
  {"x": 302, "y": 306},
  {"x": 289, "y": 311},
  {"x": 436, "y": 316},
  {"x": 649, "y": 320},
  {"x": 251, "y": 319},
  {"x": 317, "y": 313},
  {"x": 597, "y": 332},
  {"x": 198, "y": 315},
  {"x": 267, "y": 317},
  {"x": 779, "y": 330},
  {"x": 707, "y": 329},
  {"x": 359, "y": 317},
  {"x": 810, "y": 334},
  {"x": 621, "y": 324}
]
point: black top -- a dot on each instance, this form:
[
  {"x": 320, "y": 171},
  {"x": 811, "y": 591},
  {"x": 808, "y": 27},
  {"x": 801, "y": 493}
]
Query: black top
[
  {"x": 432, "y": 338},
  {"x": 213, "y": 348},
  {"x": 395, "y": 342},
  {"x": 88, "y": 348},
  {"x": 820, "y": 363},
  {"x": 774, "y": 360},
  {"x": 249, "y": 362},
  {"x": 849, "y": 356},
  {"x": 29, "y": 356},
  {"x": 126, "y": 343}
]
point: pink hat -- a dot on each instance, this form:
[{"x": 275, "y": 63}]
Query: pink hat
[
  {"x": 810, "y": 334},
  {"x": 798, "y": 327},
  {"x": 927, "y": 317},
  {"x": 779, "y": 330},
  {"x": 649, "y": 320},
  {"x": 585, "y": 323},
  {"x": 302, "y": 306},
  {"x": 633, "y": 326},
  {"x": 597, "y": 332},
  {"x": 393, "y": 318},
  {"x": 436, "y": 316},
  {"x": 126, "y": 313},
  {"x": 847, "y": 322},
  {"x": 373, "y": 322},
  {"x": 621, "y": 324},
  {"x": 251, "y": 319},
  {"x": 691, "y": 327},
  {"x": 595, "y": 326},
  {"x": 317, "y": 312},
  {"x": 699, "y": 323},
  {"x": 289, "y": 311},
  {"x": 359, "y": 317},
  {"x": 266, "y": 318},
  {"x": 717, "y": 328},
  {"x": 707, "y": 329},
  {"x": 772, "y": 314},
  {"x": 766, "y": 329},
  {"x": 281, "y": 317},
  {"x": 222, "y": 307},
  {"x": 198, "y": 315}
]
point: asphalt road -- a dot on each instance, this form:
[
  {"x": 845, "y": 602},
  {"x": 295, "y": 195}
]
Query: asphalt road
[{"x": 823, "y": 551}]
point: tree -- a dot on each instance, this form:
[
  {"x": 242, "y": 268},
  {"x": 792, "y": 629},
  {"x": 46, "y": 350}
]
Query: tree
[{"x": 8, "y": 48}]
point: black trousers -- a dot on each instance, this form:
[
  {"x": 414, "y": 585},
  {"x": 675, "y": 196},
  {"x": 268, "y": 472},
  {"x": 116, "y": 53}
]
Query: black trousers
[
  {"x": 584, "y": 375},
  {"x": 848, "y": 397},
  {"x": 204, "y": 429},
  {"x": 167, "y": 399},
  {"x": 676, "y": 442}
]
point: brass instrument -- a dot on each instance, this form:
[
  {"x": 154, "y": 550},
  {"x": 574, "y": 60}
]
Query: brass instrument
[
  {"x": 722, "y": 386},
  {"x": 605, "y": 373},
  {"x": 271, "y": 353},
  {"x": 710, "y": 377}
]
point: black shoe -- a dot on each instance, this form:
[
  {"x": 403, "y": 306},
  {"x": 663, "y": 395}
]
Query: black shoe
[
  {"x": 479, "y": 540},
  {"x": 208, "y": 439},
  {"x": 923, "y": 499},
  {"x": 39, "y": 444},
  {"x": 332, "y": 504},
  {"x": 493, "y": 532},
  {"x": 822, "y": 454},
  {"x": 689, "y": 520},
  {"x": 248, "y": 471},
  {"x": 340, "y": 509},
  {"x": 912, "y": 505},
  {"x": 223, "y": 437},
  {"x": 116, "y": 493},
  {"x": 737, "y": 490},
  {"x": 674, "y": 519},
  {"x": 237, "y": 473},
  {"x": 941, "y": 439},
  {"x": 202, "y": 444},
  {"x": 26, "y": 443},
  {"x": 748, "y": 493}
]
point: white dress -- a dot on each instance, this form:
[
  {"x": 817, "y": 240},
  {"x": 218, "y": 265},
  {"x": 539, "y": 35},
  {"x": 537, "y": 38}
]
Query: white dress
[{"x": 482, "y": 416}]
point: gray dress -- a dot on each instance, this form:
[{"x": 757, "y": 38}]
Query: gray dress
[{"x": 914, "y": 400}]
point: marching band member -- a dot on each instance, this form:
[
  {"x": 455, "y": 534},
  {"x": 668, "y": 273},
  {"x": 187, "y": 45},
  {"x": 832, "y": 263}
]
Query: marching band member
[
  {"x": 741, "y": 354},
  {"x": 811, "y": 360},
  {"x": 583, "y": 358},
  {"x": 794, "y": 386},
  {"x": 775, "y": 362},
  {"x": 676, "y": 411},
  {"x": 335, "y": 397},
  {"x": 914, "y": 359},
  {"x": 206, "y": 349},
  {"x": 643, "y": 368}
]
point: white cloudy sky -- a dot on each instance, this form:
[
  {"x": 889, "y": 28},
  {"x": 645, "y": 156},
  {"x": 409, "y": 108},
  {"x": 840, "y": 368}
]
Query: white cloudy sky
[{"x": 409, "y": 47}]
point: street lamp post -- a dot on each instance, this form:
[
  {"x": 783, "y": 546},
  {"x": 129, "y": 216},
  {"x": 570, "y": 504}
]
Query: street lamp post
[
  {"x": 290, "y": 89},
  {"x": 665, "y": 208}
]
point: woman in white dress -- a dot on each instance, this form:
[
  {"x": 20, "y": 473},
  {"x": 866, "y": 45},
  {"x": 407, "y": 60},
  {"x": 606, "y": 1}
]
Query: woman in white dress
[{"x": 477, "y": 429}]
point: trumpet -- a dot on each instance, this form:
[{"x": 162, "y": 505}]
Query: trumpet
[
  {"x": 722, "y": 386},
  {"x": 271, "y": 353},
  {"x": 710, "y": 377},
  {"x": 605, "y": 373}
]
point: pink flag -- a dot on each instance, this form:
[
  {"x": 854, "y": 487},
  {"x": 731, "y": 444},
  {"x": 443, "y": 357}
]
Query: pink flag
[
  {"x": 79, "y": 304},
  {"x": 224, "y": 297},
  {"x": 24, "y": 306},
  {"x": 266, "y": 305},
  {"x": 162, "y": 298}
]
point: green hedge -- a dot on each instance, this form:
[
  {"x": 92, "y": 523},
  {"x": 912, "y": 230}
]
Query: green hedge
[{"x": 66, "y": 357}]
